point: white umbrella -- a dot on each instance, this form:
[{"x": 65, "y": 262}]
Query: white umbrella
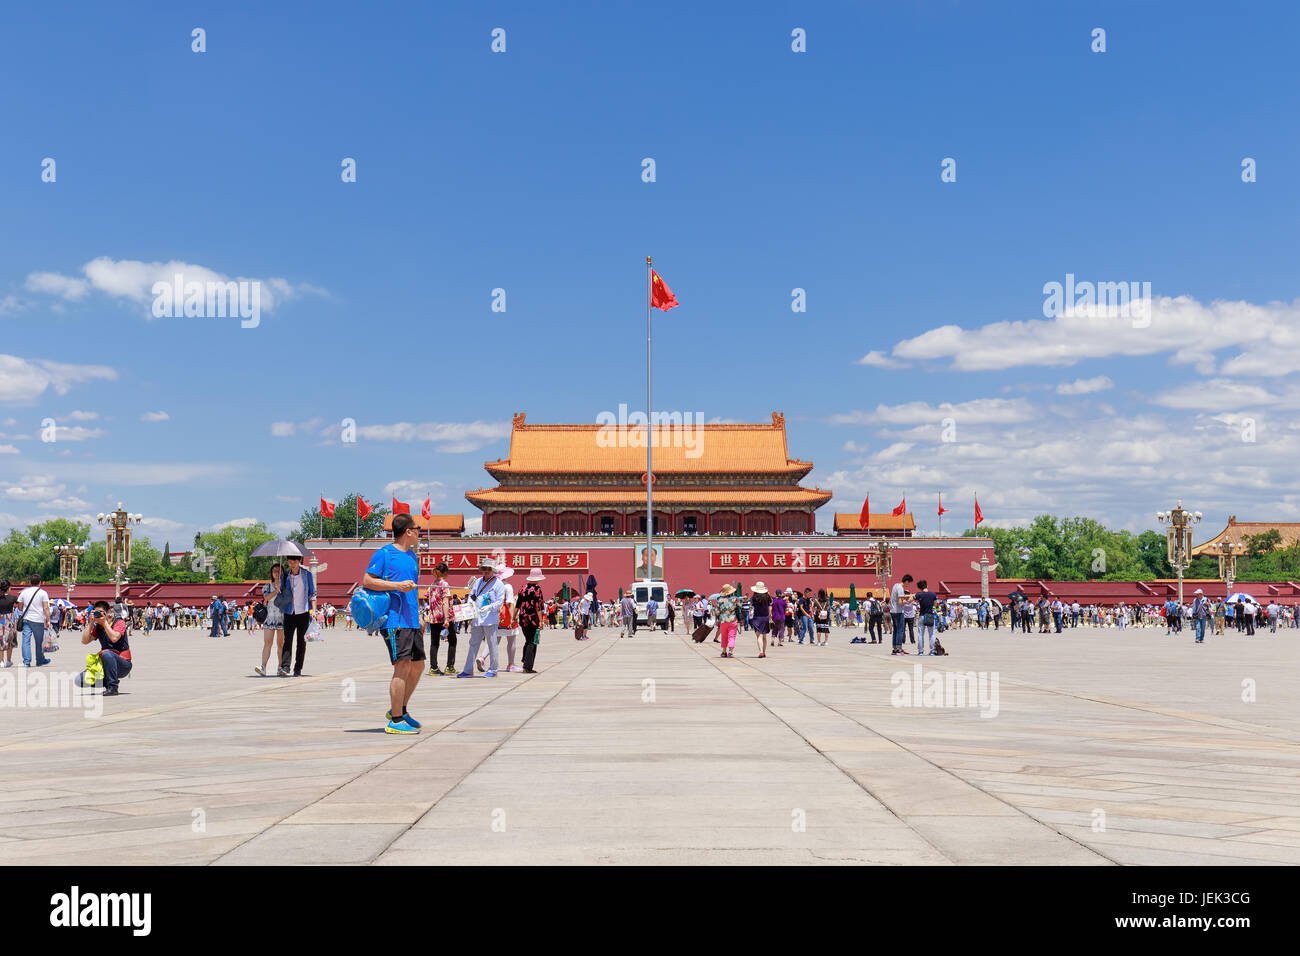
[{"x": 280, "y": 548}]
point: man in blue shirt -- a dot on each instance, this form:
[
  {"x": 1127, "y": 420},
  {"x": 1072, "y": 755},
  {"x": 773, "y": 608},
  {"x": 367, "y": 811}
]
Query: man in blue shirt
[
  {"x": 487, "y": 593},
  {"x": 396, "y": 569}
]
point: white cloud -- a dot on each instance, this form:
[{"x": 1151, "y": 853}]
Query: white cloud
[
  {"x": 35, "y": 488},
  {"x": 133, "y": 281},
  {"x": 154, "y": 417},
  {"x": 162, "y": 525},
  {"x": 8, "y": 450},
  {"x": 979, "y": 410},
  {"x": 81, "y": 416},
  {"x": 1219, "y": 394},
  {"x": 51, "y": 283},
  {"x": 25, "y": 380},
  {"x": 235, "y": 523},
  {"x": 878, "y": 359},
  {"x": 77, "y": 433},
  {"x": 288, "y": 498},
  {"x": 448, "y": 437},
  {"x": 1189, "y": 331},
  {"x": 410, "y": 490},
  {"x": 283, "y": 528},
  {"x": 852, "y": 446},
  {"x": 1085, "y": 386},
  {"x": 141, "y": 474},
  {"x": 66, "y": 504}
]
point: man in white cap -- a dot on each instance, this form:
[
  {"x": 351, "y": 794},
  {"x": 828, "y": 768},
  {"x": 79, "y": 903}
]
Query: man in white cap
[
  {"x": 506, "y": 621},
  {"x": 1200, "y": 611},
  {"x": 487, "y": 594}
]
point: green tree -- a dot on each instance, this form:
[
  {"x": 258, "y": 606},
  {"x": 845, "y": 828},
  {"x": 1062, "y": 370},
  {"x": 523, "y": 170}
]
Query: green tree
[
  {"x": 231, "y": 548},
  {"x": 343, "y": 524}
]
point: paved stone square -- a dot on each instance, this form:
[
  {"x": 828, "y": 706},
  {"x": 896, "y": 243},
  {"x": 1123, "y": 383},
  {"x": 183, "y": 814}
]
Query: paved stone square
[{"x": 1107, "y": 747}]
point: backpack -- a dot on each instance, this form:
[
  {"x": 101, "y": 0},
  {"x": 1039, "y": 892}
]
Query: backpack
[
  {"x": 259, "y": 612},
  {"x": 370, "y": 609}
]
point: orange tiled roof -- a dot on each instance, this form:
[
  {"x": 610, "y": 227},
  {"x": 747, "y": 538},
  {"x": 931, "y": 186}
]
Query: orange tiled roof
[
  {"x": 848, "y": 521},
  {"x": 514, "y": 497},
  {"x": 435, "y": 523},
  {"x": 537, "y": 449},
  {"x": 1238, "y": 531}
]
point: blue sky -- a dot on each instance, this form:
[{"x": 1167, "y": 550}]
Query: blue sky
[{"x": 775, "y": 170}]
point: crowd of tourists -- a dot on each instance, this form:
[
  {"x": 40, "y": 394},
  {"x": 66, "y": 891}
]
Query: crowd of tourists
[{"x": 490, "y": 616}]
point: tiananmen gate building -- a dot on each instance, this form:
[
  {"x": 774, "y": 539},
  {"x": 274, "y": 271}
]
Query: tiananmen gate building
[{"x": 729, "y": 506}]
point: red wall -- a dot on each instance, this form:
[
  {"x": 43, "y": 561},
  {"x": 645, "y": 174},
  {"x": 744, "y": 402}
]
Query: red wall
[{"x": 686, "y": 566}]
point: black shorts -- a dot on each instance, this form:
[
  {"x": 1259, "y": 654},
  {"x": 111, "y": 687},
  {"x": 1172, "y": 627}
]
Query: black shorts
[{"x": 404, "y": 643}]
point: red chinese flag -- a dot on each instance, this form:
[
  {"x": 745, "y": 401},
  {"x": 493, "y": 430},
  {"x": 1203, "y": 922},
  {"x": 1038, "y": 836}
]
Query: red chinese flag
[
  {"x": 902, "y": 507},
  {"x": 864, "y": 519},
  {"x": 363, "y": 509},
  {"x": 979, "y": 515},
  {"x": 401, "y": 507},
  {"x": 942, "y": 509},
  {"x": 326, "y": 508},
  {"x": 661, "y": 297},
  {"x": 424, "y": 511}
]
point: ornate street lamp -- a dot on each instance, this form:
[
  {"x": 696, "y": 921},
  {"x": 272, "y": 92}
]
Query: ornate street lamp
[
  {"x": 118, "y": 543},
  {"x": 884, "y": 563},
  {"x": 1228, "y": 551},
  {"x": 69, "y": 557},
  {"x": 1178, "y": 539}
]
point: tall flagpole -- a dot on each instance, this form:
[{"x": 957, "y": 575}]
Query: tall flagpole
[
  {"x": 649, "y": 475},
  {"x": 321, "y": 514}
]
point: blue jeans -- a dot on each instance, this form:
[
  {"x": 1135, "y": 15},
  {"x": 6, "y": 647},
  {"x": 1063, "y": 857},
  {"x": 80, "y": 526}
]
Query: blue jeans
[
  {"x": 115, "y": 668},
  {"x": 897, "y": 617},
  {"x": 805, "y": 627},
  {"x": 921, "y": 643},
  {"x": 1200, "y": 629},
  {"x": 34, "y": 631}
]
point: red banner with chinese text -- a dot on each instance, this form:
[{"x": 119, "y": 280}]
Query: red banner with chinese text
[{"x": 797, "y": 559}]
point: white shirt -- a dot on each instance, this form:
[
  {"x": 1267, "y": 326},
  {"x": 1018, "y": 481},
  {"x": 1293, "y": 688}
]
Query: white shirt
[
  {"x": 298, "y": 586},
  {"x": 39, "y": 608},
  {"x": 896, "y": 598}
]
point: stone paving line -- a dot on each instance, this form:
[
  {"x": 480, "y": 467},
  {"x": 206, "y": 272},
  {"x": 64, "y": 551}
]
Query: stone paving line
[{"x": 654, "y": 750}]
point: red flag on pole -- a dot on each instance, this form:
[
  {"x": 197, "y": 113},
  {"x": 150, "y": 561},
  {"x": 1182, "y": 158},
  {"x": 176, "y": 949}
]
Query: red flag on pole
[
  {"x": 363, "y": 509},
  {"x": 424, "y": 511},
  {"x": 661, "y": 297},
  {"x": 942, "y": 509},
  {"x": 979, "y": 515},
  {"x": 401, "y": 507},
  {"x": 902, "y": 507},
  {"x": 864, "y": 519},
  {"x": 326, "y": 508}
]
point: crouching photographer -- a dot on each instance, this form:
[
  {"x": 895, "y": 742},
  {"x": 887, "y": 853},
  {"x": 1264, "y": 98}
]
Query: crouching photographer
[{"x": 114, "y": 651}]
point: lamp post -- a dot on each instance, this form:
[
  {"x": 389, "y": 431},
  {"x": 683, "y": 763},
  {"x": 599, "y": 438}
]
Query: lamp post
[
  {"x": 117, "y": 540},
  {"x": 884, "y": 564},
  {"x": 1228, "y": 551},
  {"x": 69, "y": 557},
  {"x": 1178, "y": 539}
]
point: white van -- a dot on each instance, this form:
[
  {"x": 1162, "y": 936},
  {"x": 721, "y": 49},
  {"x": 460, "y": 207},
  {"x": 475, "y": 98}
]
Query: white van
[{"x": 641, "y": 592}]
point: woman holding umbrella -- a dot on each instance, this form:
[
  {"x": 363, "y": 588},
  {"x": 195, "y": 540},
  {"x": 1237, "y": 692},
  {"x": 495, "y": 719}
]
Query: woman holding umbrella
[{"x": 273, "y": 623}]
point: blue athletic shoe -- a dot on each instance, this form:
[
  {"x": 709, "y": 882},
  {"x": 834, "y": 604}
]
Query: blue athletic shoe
[
  {"x": 463, "y": 674},
  {"x": 406, "y": 718},
  {"x": 490, "y": 674},
  {"x": 399, "y": 727}
]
